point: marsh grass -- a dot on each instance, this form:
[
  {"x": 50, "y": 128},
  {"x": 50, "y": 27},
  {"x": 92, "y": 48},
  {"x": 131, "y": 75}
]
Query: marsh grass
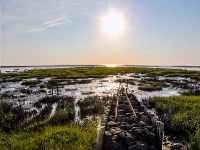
[
  {"x": 42, "y": 132},
  {"x": 92, "y": 106},
  {"x": 180, "y": 115},
  {"x": 96, "y": 72},
  {"x": 153, "y": 86},
  {"x": 69, "y": 137},
  {"x": 191, "y": 92},
  {"x": 31, "y": 82}
]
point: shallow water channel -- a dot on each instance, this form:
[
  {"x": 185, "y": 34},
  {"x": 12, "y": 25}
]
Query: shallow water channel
[{"x": 100, "y": 87}]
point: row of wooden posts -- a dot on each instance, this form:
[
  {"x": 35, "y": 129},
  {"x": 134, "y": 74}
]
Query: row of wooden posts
[
  {"x": 159, "y": 125},
  {"x": 154, "y": 120}
]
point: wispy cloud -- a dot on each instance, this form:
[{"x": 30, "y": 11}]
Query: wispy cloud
[
  {"x": 48, "y": 24},
  {"x": 19, "y": 17}
]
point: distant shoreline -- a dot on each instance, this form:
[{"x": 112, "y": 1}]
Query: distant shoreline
[
  {"x": 48, "y": 66},
  {"x": 99, "y": 65}
]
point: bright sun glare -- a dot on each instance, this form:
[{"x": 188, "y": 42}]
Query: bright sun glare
[{"x": 113, "y": 23}]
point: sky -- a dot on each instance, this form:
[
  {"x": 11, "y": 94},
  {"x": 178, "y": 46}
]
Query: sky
[{"x": 71, "y": 32}]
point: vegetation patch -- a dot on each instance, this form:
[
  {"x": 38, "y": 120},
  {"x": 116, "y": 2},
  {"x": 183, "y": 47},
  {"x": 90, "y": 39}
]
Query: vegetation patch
[
  {"x": 191, "y": 92},
  {"x": 150, "y": 88},
  {"x": 11, "y": 118},
  {"x": 92, "y": 106},
  {"x": 31, "y": 82},
  {"x": 69, "y": 137},
  {"x": 180, "y": 115},
  {"x": 129, "y": 81}
]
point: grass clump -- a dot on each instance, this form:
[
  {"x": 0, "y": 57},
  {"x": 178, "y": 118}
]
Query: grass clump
[
  {"x": 11, "y": 118},
  {"x": 52, "y": 137},
  {"x": 180, "y": 115},
  {"x": 21, "y": 130},
  {"x": 31, "y": 82},
  {"x": 155, "y": 86},
  {"x": 92, "y": 106},
  {"x": 191, "y": 92}
]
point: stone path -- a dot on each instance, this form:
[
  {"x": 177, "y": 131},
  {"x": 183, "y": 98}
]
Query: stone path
[{"x": 128, "y": 132}]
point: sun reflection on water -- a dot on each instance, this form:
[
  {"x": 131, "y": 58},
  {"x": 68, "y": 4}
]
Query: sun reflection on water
[{"x": 112, "y": 65}]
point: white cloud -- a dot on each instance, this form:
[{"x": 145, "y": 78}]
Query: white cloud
[
  {"x": 36, "y": 15},
  {"x": 48, "y": 24}
]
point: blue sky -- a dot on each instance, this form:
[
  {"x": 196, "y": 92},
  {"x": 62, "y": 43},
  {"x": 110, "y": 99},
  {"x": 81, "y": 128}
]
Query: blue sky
[{"x": 65, "y": 32}]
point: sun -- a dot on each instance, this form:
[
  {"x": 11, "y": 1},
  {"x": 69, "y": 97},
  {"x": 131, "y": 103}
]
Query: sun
[{"x": 113, "y": 23}]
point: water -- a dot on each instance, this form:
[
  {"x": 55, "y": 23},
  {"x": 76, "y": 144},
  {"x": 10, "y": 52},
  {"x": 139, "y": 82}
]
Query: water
[
  {"x": 106, "y": 88},
  {"x": 23, "y": 68},
  {"x": 98, "y": 87}
]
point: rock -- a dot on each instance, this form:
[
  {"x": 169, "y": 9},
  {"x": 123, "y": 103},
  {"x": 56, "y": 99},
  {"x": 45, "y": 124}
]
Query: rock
[
  {"x": 112, "y": 124},
  {"x": 122, "y": 136},
  {"x": 128, "y": 141},
  {"x": 149, "y": 128},
  {"x": 115, "y": 138},
  {"x": 145, "y": 119},
  {"x": 143, "y": 137},
  {"x": 151, "y": 138},
  {"x": 128, "y": 114},
  {"x": 127, "y": 120},
  {"x": 120, "y": 111},
  {"x": 142, "y": 124},
  {"x": 153, "y": 130},
  {"x": 138, "y": 132},
  {"x": 141, "y": 114},
  {"x": 134, "y": 128},
  {"x": 112, "y": 131},
  {"x": 152, "y": 148},
  {"x": 118, "y": 124},
  {"x": 132, "y": 120},
  {"x": 124, "y": 123},
  {"x": 117, "y": 130},
  {"x": 141, "y": 142},
  {"x": 119, "y": 119},
  {"x": 146, "y": 131},
  {"x": 141, "y": 147},
  {"x": 123, "y": 127},
  {"x": 132, "y": 147},
  {"x": 176, "y": 146},
  {"x": 112, "y": 145},
  {"x": 107, "y": 135}
]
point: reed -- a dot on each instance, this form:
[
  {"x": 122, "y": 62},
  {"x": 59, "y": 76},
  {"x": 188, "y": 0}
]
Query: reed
[{"x": 180, "y": 115}]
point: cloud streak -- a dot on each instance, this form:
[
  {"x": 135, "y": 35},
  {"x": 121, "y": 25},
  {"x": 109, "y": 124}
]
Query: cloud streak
[{"x": 48, "y": 24}]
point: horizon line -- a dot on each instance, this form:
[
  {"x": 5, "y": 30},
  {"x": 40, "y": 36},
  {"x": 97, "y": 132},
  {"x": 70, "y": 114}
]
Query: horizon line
[{"x": 4, "y": 66}]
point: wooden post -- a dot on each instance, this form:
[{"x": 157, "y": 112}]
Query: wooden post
[
  {"x": 127, "y": 83},
  {"x": 117, "y": 104},
  {"x": 100, "y": 134},
  {"x": 130, "y": 104},
  {"x": 160, "y": 134}
]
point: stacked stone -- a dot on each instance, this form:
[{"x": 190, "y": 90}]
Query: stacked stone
[{"x": 126, "y": 132}]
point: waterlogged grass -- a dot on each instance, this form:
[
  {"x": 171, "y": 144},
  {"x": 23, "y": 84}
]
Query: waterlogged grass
[
  {"x": 130, "y": 81},
  {"x": 191, "y": 92},
  {"x": 195, "y": 143},
  {"x": 92, "y": 106},
  {"x": 96, "y": 72},
  {"x": 181, "y": 114},
  {"x": 69, "y": 137},
  {"x": 18, "y": 130},
  {"x": 152, "y": 86},
  {"x": 31, "y": 82}
]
